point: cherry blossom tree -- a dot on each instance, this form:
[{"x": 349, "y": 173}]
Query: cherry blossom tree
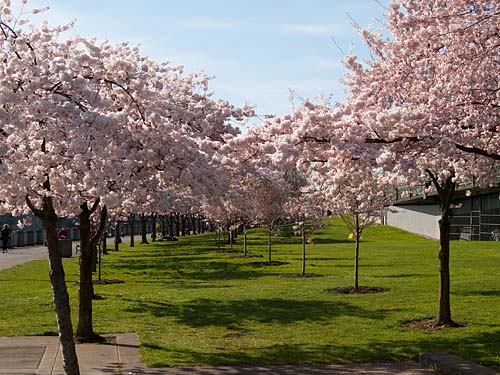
[
  {"x": 24, "y": 85},
  {"x": 303, "y": 205},
  {"x": 428, "y": 102},
  {"x": 356, "y": 192},
  {"x": 341, "y": 170},
  {"x": 78, "y": 123},
  {"x": 270, "y": 194},
  {"x": 409, "y": 110}
]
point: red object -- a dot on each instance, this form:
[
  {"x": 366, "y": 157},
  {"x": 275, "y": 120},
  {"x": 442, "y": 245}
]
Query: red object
[{"x": 63, "y": 234}]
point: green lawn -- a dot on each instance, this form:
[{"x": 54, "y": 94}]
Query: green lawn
[{"x": 193, "y": 306}]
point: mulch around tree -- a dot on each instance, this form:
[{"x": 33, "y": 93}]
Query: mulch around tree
[
  {"x": 359, "y": 290},
  {"x": 429, "y": 325},
  {"x": 107, "y": 282},
  {"x": 301, "y": 276},
  {"x": 268, "y": 264},
  {"x": 246, "y": 256}
]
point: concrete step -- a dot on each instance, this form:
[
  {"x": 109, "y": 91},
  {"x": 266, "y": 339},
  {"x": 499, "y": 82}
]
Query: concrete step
[{"x": 453, "y": 365}]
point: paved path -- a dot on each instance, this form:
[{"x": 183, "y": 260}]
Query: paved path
[
  {"x": 20, "y": 255},
  {"x": 41, "y": 356}
]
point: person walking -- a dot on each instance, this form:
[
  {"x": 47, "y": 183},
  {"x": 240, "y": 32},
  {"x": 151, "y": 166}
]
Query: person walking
[{"x": 5, "y": 235}]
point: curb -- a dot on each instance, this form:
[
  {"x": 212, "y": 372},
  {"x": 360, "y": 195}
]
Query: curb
[{"x": 453, "y": 365}]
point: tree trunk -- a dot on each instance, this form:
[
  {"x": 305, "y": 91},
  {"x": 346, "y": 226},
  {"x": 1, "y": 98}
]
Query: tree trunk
[
  {"x": 201, "y": 225},
  {"x": 58, "y": 282},
  {"x": 357, "y": 234},
  {"x": 444, "y": 312},
  {"x": 118, "y": 237},
  {"x": 446, "y": 190},
  {"x": 171, "y": 225},
  {"x": 144, "y": 235},
  {"x": 193, "y": 224},
  {"x": 244, "y": 240},
  {"x": 269, "y": 245},
  {"x": 88, "y": 252},
  {"x": 163, "y": 220},
  {"x": 183, "y": 225},
  {"x": 85, "y": 329},
  {"x": 99, "y": 262},
  {"x": 153, "y": 223},
  {"x": 131, "y": 221},
  {"x": 104, "y": 242},
  {"x": 177, "y": 225},
  {"x": 303, "y": 235},
  {"x": 100, "y": 238}
]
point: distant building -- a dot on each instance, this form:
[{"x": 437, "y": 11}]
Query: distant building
[
  {"x": 475, "y": 214},
  {"x": 34, "y": 234}
]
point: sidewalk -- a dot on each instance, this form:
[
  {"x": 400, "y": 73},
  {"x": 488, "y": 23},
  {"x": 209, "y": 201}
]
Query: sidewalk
[
  {"x": 20, "y": 255},
  {"x": 41, "y": 356}
]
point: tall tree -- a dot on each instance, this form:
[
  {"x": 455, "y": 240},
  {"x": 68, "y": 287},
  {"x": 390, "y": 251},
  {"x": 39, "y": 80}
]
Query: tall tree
[
  {"x": 78, "y": 118},
  {"x": 428, "y": 98}
]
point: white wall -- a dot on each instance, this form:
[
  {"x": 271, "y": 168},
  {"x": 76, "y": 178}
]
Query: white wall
[{"x": 422, "y": 220}]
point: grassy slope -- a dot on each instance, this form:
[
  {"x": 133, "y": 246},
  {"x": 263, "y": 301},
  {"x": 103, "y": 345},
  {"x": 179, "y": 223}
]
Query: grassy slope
[{"x": 191, "y": 305}]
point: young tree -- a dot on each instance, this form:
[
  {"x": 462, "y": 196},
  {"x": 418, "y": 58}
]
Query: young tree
[
  {"x": 358, "y": 193},
  {"x": 303, "y": 206},
  {"x": 270, "y": 193}
]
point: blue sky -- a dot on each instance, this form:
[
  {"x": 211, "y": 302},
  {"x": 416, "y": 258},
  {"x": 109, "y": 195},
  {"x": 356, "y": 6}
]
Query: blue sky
[{"x": 257, "y": 49}]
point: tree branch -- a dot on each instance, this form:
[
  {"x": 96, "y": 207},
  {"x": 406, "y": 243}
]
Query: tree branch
[
  {"x": 36, "y": 211},
  {"x": 478, "y": 151},
  {"x": 95, "y": 206},
  {"x": 435, "y": 181}
]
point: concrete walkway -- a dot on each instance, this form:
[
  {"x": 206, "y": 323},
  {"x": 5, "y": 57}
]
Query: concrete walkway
[
  {"x": 42, "y": 356},
  {"x": 20, "y": 255}
]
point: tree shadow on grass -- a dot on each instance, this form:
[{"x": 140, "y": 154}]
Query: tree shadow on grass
[
  {"x": 273, "y": 354},
  {"x": 237, "y": 313},
  {"x": 158, "y": 261},
  {"x": 172, "y": 251},
  {"x": 482, "y": 347},
  {"x": 193, "y": 268}
]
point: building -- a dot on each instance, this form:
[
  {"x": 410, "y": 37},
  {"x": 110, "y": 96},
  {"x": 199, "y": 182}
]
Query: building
[
  {"x": 475, "y": 213},
  {"x": 34, "y": 234}
]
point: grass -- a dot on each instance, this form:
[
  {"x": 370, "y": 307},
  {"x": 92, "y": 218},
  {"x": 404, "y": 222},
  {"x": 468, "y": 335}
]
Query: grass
[{"x": 193, "y": 306}]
